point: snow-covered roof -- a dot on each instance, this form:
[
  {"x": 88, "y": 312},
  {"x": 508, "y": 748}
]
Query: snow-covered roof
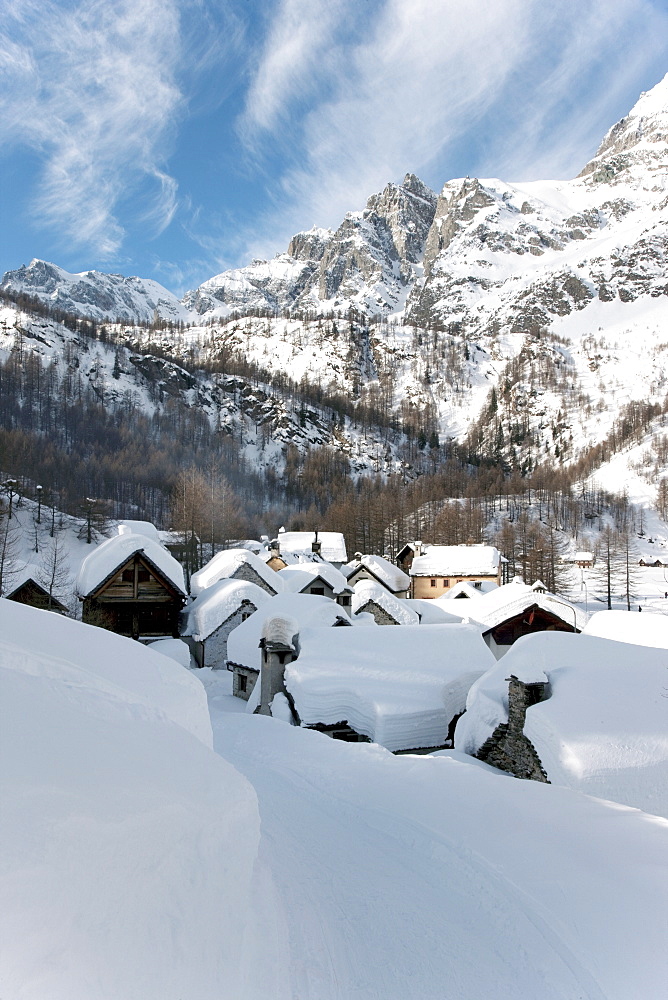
[
  {"x": 215, "y": 605},
  {"x": 513, "y": 598},
  {"x": 225, "y": 564},
  {"x": 604, "y": 727},
  {"x": 466, "y": 589},
  {"x": 624, "y": 626},
  {"x": 399, "y": 686},
  {"x": 433, "y": 612},
  {"x": 382, "y": 569},
  {"x": 279, "y": 630},
  {"x": 332, "y": 544},
  {"x": 145, "y": 528},
  {"x": 306, "y": 609},
  {"x": 457, "y": 560},
  {"x": 106, "y": 558},
  {"x": 295, "y": 578},
  {"x": 369, "y": 590}
]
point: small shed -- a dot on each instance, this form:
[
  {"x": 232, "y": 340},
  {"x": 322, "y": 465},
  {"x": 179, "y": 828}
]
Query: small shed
[
  {"x": 33, "y": 594},
  {"x": 132, "y": 586}
]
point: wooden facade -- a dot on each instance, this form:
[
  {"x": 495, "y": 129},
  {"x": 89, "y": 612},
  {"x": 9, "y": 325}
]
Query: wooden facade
[
  {"x": 135, "y": 600},
  {"x": 532, "y": 619},
  {"x": 33, "y": 594}
]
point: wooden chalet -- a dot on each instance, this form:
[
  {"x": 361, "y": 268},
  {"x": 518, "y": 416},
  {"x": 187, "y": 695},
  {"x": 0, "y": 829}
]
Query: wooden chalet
[
  {"x": 135, "y": 596},
  {"x": 33, "y": 594}
]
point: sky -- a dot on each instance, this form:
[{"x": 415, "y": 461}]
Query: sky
[{"x": 174, "y": 139}]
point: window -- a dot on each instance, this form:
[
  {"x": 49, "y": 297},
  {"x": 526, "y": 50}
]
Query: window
[
  {"x": 446, "y": 583},
  {"x": 143, "y": 576},
  {"x": 242, "y": 682},
  {"x": 433, "y": 583},
  {"x": 128, "y": 576},
  {"x": 318, "y": 590}
]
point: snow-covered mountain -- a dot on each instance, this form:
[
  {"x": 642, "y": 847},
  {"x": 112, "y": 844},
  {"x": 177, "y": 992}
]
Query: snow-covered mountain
[
  {"x": 94, "y": 294},
  {"x": 553, "y": 294}
]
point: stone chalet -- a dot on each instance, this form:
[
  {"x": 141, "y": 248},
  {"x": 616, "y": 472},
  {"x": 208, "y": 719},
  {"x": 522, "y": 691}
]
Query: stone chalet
[
  {"x": 374, "y": 599},
  {"x": 318, "y": 578},
  {"x": 403, "y": 688},
  {"x": 207, "y": 622},
  {"x": 242, "y": 644},
  {"x": 443, "y": 566},
  {"x": 382, "y": 571},
  {"x": 131, "y": 585},
  {"x": 235, "y": 564}
]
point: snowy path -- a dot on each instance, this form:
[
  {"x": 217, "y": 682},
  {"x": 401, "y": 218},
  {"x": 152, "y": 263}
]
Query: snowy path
[{"x": 380, "y": 898}]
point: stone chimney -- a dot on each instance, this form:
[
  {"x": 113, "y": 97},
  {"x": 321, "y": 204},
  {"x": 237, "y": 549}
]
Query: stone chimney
[
  {"x": 316, "y": 545},
  {"x": 279, "y": 645},
  {"x": 274, "y": 549}
]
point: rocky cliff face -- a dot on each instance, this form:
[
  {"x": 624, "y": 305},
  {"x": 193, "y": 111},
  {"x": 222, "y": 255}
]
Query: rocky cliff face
[{"x": 553, "y": 294}]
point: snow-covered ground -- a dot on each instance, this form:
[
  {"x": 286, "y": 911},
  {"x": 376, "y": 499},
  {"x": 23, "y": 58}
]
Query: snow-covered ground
[{"x": 136, "y": 863}]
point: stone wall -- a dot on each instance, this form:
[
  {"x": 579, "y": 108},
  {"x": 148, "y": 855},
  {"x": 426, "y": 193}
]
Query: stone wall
[{"x": 508, "y": 748}]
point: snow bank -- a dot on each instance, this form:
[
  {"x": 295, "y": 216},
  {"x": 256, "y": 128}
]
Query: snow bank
[
  {"x": 110, "y": 555},
  {"x": 215, "y": 605},
  {"x": 623, "y": 626},
  {"x": 225, "y": 564},
  {"x": 145, "y": 528},
  {"x": 401, "y": 687},
  {"x": 127, "y": 846},
  {"x": 298, "y": 543},
  {"x": 35, "y": 640},
  {"x": 422, "y": 877},
  {"x": 603, "y": 730}
]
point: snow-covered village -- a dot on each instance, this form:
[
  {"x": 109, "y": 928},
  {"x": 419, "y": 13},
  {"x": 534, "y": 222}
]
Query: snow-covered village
[{"x": 334, "y": 586}]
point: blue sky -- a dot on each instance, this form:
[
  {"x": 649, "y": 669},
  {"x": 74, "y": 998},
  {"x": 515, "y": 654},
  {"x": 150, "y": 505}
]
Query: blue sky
[{"x": 176, "y": 138}]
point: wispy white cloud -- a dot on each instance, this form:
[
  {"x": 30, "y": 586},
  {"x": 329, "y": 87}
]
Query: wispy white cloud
[
  {"x": 416, "y": 81},
  {"x": 91, "y": 86}
]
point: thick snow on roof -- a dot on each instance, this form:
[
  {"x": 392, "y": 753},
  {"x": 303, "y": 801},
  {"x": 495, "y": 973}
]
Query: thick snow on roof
[
  {"x": 306, "y": 609},
  {"x": 108, "y": 556},
  {"x": 332, "y": 544},
  {"x": 280, "y": 630},
  {"x": 215, "y": 605},
  {"x": 604, "y": 728},
  {"x": 223, "y": 566},
  {"x": 512, "y": 598},
  {"x": 466, "y": 589},
  {"x": 139, "y": 528},
  {"x": 399, "y": 686},
  {"x": 439, "y": 613},
  {"x": 122, "y": 832},
  {"x": 457, "y": 560},
  {"x": 385, "y": 572},
  {"x": 625, "y": 626},
  {"x": 369, "y": 590},
  {"x": 175, "y": 649},
  {"x": 301, "y": 575}
]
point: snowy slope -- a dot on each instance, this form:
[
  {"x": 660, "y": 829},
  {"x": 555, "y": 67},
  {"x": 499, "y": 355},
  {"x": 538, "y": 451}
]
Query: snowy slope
[{"x": 128, "y": 847}]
